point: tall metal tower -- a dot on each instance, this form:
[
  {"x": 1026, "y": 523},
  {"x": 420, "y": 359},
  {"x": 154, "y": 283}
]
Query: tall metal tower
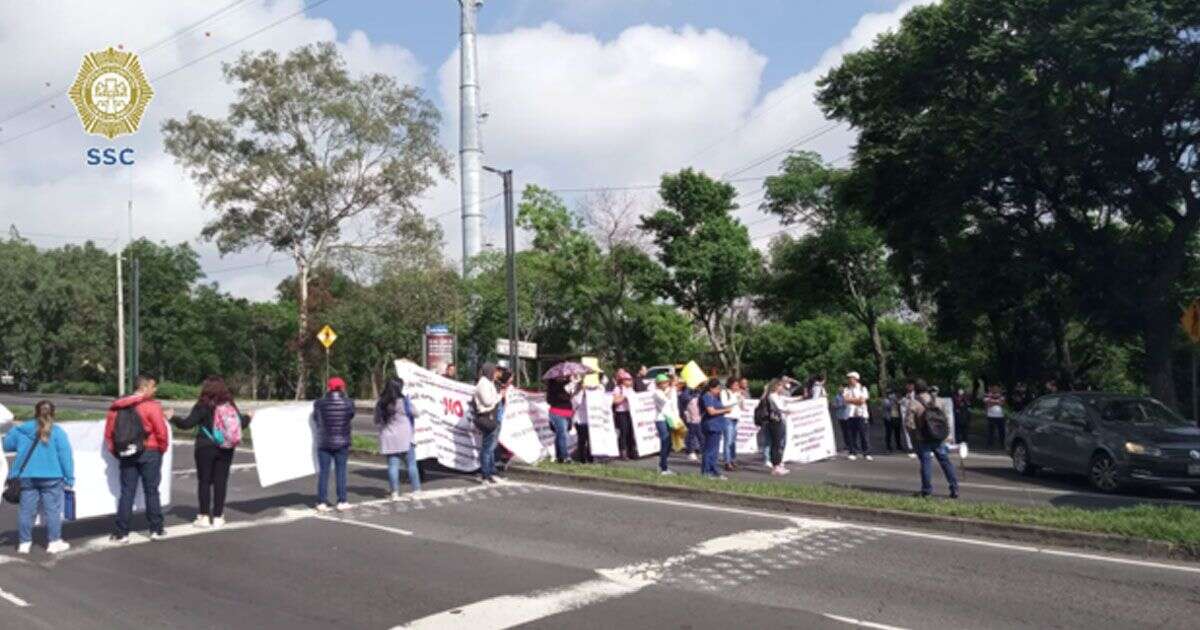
[{"x": 470, "y": 151}]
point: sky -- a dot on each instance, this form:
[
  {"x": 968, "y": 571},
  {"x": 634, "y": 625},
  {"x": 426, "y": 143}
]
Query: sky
[{"x": 579, "y": 94}]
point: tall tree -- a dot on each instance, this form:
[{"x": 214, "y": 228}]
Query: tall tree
[
  {"x": 711, "y": 266},
  {"x": 1081, "y": 118},
  {"x": 306, "y": 150}
]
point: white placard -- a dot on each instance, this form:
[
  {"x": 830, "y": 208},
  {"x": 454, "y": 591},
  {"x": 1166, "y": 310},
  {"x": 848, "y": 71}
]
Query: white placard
[
  {"x": 809, "y": 431},
  {"x": 285, "y": 446},
  {"x": 643, "y": 412},
  {"x": 443, "y": 428},
  {"x": 602, "y": 433},
  {"x": 98, "y": 474},
  {"x": 747, "y": 433},
  {"x": 517, "y": 432}
]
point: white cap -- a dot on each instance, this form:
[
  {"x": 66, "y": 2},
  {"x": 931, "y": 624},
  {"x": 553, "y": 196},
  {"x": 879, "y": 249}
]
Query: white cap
[{"x": 853, "y": 375}]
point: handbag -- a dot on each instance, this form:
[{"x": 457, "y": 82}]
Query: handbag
[
  {"x": 12, "y": 486},
  {"x": 485, "y": 422}
]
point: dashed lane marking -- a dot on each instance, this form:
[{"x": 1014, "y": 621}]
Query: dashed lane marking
[
  {"x": 859, "y": 622},
  {"x": 13, "y": 599}
]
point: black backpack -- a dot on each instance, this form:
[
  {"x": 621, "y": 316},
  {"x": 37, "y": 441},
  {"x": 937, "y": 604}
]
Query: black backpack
[
  {"x": 935, "y": 426},
  {"x": 129, "y": 436},
  {"x": 763, "y": 413}
]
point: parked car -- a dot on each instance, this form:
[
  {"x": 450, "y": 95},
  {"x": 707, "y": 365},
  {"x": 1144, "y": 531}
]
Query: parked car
[{"x": 1113, "y": 439}]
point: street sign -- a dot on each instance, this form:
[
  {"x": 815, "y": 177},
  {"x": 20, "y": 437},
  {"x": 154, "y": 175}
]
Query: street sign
[
  {"x": 439, "y": 348},
  {"x": 525, "y": 349},
  {"x": 327, "y": 336},
  {"x": 1191, "y": 321}
]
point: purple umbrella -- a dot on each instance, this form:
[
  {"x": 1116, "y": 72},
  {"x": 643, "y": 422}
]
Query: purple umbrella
[{"x": 567, "y": 369}]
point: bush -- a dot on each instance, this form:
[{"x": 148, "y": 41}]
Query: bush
[
  {"x": 77, "y": 388},
  {"x": 168, "y": 390}
]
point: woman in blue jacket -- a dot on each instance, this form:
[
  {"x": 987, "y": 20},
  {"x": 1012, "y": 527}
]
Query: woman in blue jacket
[{"x": 45, "y": 468}]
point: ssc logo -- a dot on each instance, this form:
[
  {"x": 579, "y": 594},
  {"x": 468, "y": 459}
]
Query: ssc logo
[{"x": 110, "y": 93}]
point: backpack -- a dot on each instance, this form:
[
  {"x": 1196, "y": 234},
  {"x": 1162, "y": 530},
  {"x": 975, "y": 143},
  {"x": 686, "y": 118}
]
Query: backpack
[
  {"x": 129, "y": 436},
  {"x": 693, "y": 410},
  {"x": 935, "y": 426},
  {"x": 227, "y": 426},
  {"x": 763, "y": 413}
]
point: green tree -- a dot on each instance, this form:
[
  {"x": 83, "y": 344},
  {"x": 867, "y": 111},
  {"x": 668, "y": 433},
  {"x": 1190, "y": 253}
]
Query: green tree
[
  {"x": 711, "y": 266},
  {"x": 306, "y": 150}
]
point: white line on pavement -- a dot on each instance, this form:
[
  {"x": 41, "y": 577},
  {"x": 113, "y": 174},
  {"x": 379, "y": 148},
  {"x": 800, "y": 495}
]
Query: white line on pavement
[
  {"x": 383, "y": 528},
  {"x": 860, "y": 622},
  {"x": 13, "y": 599},
  {"x": 233, "y": 468},
  {"x": 890, "y": 530}
]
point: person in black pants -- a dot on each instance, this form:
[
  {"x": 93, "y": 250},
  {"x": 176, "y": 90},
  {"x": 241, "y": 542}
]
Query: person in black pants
[{"x": 214, "y": 447}]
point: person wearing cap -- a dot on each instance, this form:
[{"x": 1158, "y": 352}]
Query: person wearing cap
[
  {"x": 622, "y": 416},
  {"x": 666, "y": 405},
  {"x": 855, "y": 396},
  {"x": 914, "y": 420},
  {"x": 332, "y": 414}
]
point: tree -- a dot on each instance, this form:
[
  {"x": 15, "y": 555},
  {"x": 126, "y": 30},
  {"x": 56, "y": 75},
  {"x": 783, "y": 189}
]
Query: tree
[
  {"x": 842, "y": 261},
  {"x": 305, "y": 151},
  {"x": 1075, "y": 119},
  {"x": 711, "y": 267}
]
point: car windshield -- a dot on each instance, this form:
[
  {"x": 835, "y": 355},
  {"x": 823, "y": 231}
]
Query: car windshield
[{"x": 1138, "y": 411}]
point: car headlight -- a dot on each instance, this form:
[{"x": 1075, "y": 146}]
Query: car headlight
[{"x": 1141, "y": 449}]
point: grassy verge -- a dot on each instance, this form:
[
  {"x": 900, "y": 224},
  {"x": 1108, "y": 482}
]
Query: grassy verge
[
  {"x": 22, "y": 413},
  {"x": 367, "y": 444},
  {"x": 1178, "y": 525}
]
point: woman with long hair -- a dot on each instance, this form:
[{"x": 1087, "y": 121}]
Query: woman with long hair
[
  {"x": 218, "y": 425},
  {"x": 45, "y": 469},
  {"x": 397, "y": 426},
  {"x": 775, "y": 429}
]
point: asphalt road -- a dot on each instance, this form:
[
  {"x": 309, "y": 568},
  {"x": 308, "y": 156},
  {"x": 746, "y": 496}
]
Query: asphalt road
[{"x": 516, "y": 554}]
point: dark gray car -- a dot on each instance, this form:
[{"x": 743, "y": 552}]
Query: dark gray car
[{"x": 1114, "y": 439}]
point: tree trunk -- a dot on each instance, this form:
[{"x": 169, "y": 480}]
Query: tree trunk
[
  {"x": 1160, "y": 314},
  {"x": 302, "y": 335},
  {"x": 880, "y": 355}
]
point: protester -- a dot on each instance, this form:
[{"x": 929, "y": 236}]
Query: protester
[
  {"x": 583, "y": 442},
  {"x": 451, "y": 371},
  {"x": 893, "y": 423},
  {"x": 962, "y": 416},
  {"x": 622, "y": 417},
  {"x": 46, "y": 469},
  {"x": 731, "y": 398},
  {"x": 816, "y": 387},
  {"x": 666, "y": 406},
  {"x": 135, "y": 432},
  {"x": 333, "y": 414},
  {"x": 713, "y": 426},
  {"x": 993, "y": 404},
  {"x": 1019, "y": 398},
  {"x": 841, "y": 414},
  {"x": 774, "y": 395},
  {"x": 397, "y": 427},
  {"x": 1051, "y": 386},
  {"x": 642, "y": 382},
  {"x": 855, "y": 396},
  {"x": 220, "y": 426},
  {"x": 559, "y": 392},
  {"x": 920, "y": 423},
  {"x": 689, "y": 409},
  {"x": 486, "y": 407}
]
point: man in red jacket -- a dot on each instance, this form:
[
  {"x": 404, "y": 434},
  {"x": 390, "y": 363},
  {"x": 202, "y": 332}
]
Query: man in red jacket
[{"x": 146, "y": 466}]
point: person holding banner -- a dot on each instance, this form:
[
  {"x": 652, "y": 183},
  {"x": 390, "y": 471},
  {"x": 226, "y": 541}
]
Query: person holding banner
[
  {"x": 731, "y": 398},
  {"x": 559, "y": 392},
  {"x": 622, "y": 417},
  {"x": 775, "y": 398},
  {"x": 487, "y": 403},
  {"x": 583, "y": 439},
  {"x": 713, "y": 426},
  {"x": 689, "y": 410},
  {"x": 397, "y": 425},
  {"x": 214, "y": 447},
  {"x": 45, "y": 469},
  {"x": 666, "y": 405},
  {"x": 333, "y": 414}
]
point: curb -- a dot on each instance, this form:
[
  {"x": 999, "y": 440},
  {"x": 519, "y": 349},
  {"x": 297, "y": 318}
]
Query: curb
[{"x": 1030, "y": 534}]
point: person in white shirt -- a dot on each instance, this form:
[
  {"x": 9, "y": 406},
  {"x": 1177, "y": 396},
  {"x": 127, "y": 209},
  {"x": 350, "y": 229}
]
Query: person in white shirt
[
  {"x": 486, "y": 401},
  {"x": 666, "y": 408},
  {"x": 817, "y": 387},
  {"x": 855, "y": 396},
  {"x": 731, "y": 398}
]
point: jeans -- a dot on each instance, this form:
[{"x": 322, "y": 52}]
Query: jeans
[
  {"x": 148, "y": 468},
  {"x": 338, "y": 458},
  {"x": 844, "y": 423},
  {"x": 694, "y": 443},
  {"x": 996, "y": 426},
  {"x": 583, "y": 444},
  {"x": 893, "y": 432},
  {"x": 487, "y": 453},
  {"x": 561, "y": 426},
  {"x": 212, "y": 478},
  {"x": 858, "y": 442},
  {"x": 49, "y": 492},
  {"x": 414, "y": 475},
  {"x": 664, "y": 443},
  {"x": 776, "y": 432},
  {"x": 730, "y": 441},
  {"x": 713, "y": 430},
  {"x": 939, "y": 450}
]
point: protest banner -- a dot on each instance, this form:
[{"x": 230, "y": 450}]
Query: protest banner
[
  {"x": 747, "y": 433},
  {"x": 602, "y": 433},
  {"x": 285, "y": 446},
  {"x": 809, "y": 431},
  {"x": 643, "y": 411},
  {"x": 517, "y": 431},
  {"x": 947, "y": 407},
  {"x": 97, "y": 471},
  {"x": 539, "y": 416},
  {"x": 443, "y": 427}
]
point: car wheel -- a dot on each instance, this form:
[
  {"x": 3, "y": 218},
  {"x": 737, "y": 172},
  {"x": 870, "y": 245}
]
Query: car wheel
[
  {"x": 1103, "y": 473},
  {"x": 1020, "y": 460}
]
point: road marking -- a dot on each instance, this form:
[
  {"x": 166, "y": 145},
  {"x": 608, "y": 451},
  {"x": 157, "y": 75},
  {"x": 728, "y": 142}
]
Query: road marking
[
  {"x": 13, "y": 599},
  {"x": 233, "y": 468},
  {"x": 384, "y": 528},
  {"x": 860, "y": 622},
  {"x": 507, "y": 611},
  {"x": 889, "y": 530}
]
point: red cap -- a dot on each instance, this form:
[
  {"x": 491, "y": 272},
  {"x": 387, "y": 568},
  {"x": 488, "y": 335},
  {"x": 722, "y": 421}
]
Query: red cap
[{"x": 336, "y": 383}]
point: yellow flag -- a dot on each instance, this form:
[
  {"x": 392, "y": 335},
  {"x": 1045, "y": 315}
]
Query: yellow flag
[{"x": 693, "y": 375}]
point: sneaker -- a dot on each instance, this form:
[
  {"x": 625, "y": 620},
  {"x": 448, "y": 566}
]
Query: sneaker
[
  {"x": 692, "y": 457},
  {"x": 783, "y": 471},
  {"x": 24, "y": 547},
  {"x": 58, "y": 546},
  {"x": 416, "y": 495},
  {"x": 395, "y": 496},
  {"x": 852, "y": 457},
  {"x": 117, "y": 539},
  {"x": 158, "y": 535},
  {"x": 912, "y": 455},
  {"x": 218, "y": 522},
  {"x": 868, "y": 458},
  {"x": 202, "y": 522},
  {"x": 323, "y": 507},
  {"x": 954, "y": 494},
  {"x": 343, "y": 506},
  {"x": 775, "y": 472},
  {"x": 490, "y": 480},
  {"x": 767, "y": 462},
  {"x": 666, "y": 473},
  {"x": 497, "y": 479},
  {"x": 722, "y": 478}
]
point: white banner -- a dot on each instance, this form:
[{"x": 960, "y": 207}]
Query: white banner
[
  {"x": 443, "y": 424},
  {"x": 602, "y": 433},
  {"x": 517, "y": 432},
  {"x": 747, "y": 433},
  {"x": 285, "y": 446},
  {"x": 643, "y": 412},
  {"x": 947, "y": 406},
  {"x": 539, "y": 415},
  {"x": 809, "y": 431},
  {"x": 98, "y": 474}
]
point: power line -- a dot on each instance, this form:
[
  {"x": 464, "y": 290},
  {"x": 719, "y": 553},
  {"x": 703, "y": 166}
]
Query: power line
[
  {"x": 743, "y": 125},
  {"x": 790, "y": 146}
]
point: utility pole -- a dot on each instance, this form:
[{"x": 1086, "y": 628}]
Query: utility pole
[
  {"x": 120, "y": 330},
  {"x": 135, "y": 324},
  {"x": 470, "y": 150},
  {"x": 510, "y": 263}
]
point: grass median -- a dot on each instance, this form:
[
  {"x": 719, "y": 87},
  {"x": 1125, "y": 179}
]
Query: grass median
[
  {"x": 22, "y": 413},
  {"x": 1175, "y": 524}
]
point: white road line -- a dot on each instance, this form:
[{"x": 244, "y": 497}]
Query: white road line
[
  {"x": 889, "y": 530},
  {"x": 383, "y": 528},
  {"x": 860, "y": 622},
  {"x": 13, "y": 599},
  {"x": 233, "y": 468}
]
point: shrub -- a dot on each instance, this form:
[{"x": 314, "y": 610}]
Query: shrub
[{"x": 168, "y": 390}]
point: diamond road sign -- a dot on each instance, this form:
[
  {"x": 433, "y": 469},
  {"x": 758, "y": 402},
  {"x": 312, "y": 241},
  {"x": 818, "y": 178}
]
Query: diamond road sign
[{"x": 327, "y": 336}]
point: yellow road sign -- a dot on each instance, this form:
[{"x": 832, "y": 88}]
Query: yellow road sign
[
  {"x": 327, "y": 336},
  {"x": 1191, "y": 321}
]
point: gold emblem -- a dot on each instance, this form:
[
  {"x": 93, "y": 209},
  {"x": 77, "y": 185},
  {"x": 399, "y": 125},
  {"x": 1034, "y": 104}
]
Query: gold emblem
[{"x": 110, "y": 93}]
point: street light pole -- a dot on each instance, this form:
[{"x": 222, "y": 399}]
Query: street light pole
[{"x": 510, "y": 255}]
